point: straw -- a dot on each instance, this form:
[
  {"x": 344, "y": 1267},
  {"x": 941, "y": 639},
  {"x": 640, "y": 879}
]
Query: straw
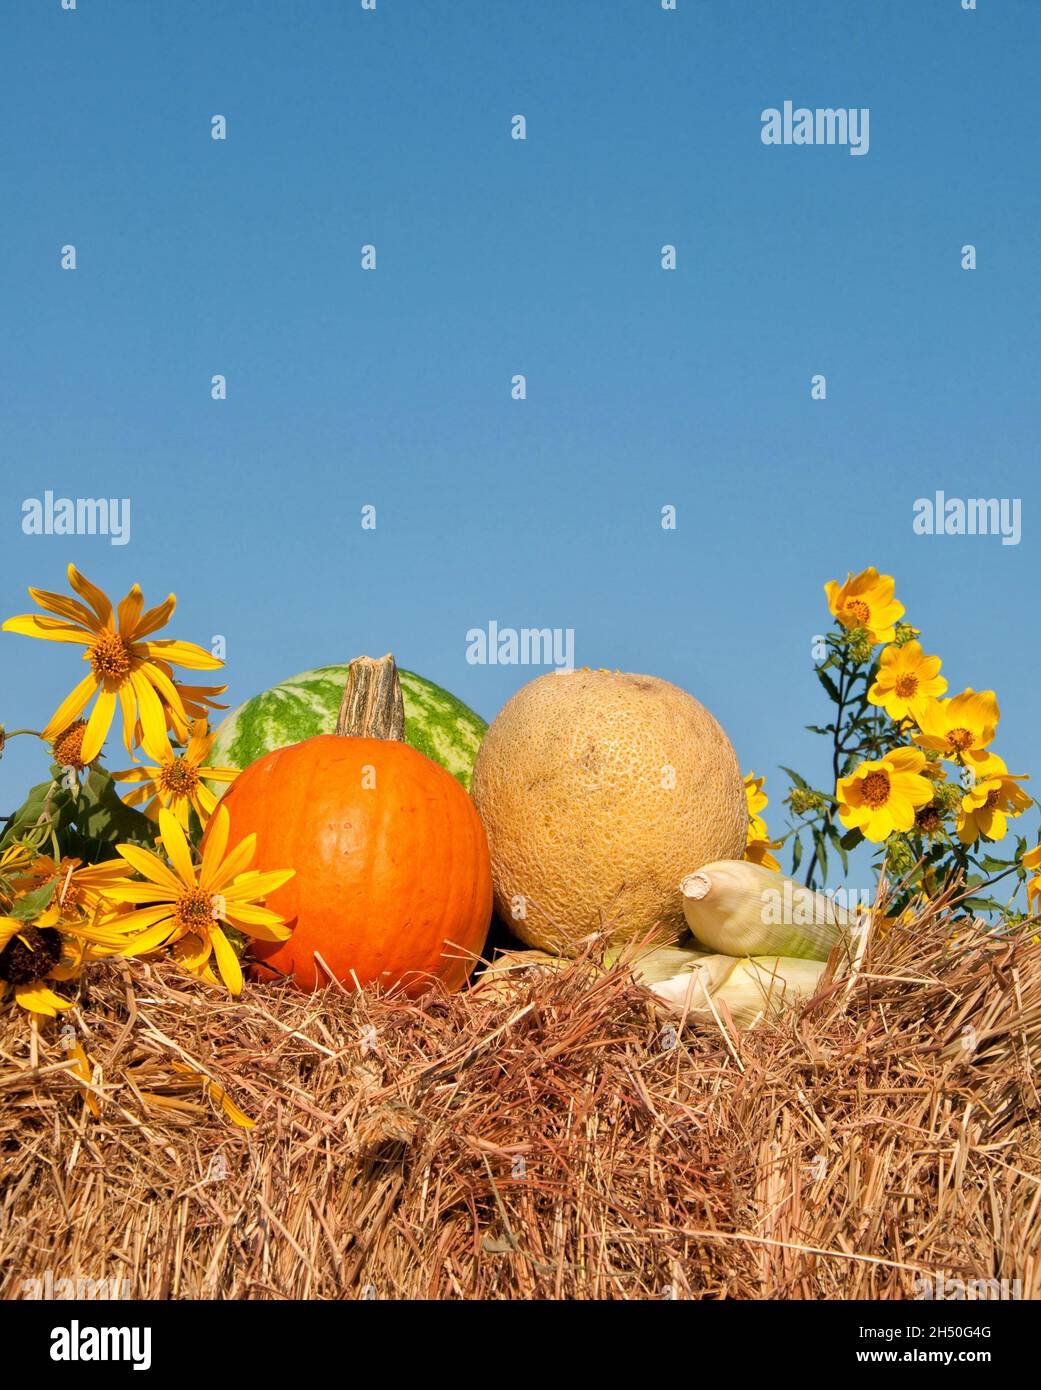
[{"x": 558, "y": 1136}]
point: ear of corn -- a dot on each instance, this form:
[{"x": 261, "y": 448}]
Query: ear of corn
[
  {"x": 743, "y": 909},
  {"x": 659, "y": 962},
  {"x": 693, "y": 982},
  {"x": 511, "y": 966},
  {"x": 752, "y": 987}
]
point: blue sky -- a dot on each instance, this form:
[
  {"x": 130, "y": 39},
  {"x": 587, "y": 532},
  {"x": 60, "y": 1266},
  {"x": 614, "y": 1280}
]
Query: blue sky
[{"x": 541, "y": 257}]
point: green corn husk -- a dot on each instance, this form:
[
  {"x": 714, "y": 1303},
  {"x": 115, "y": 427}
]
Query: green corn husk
[{"x": 743, "y": 909}]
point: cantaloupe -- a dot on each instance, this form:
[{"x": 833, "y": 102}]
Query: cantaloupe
[{"x": 600, "y": 791}]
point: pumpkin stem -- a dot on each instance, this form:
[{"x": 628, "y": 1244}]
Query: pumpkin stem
[{"x": 372, "y": 704}]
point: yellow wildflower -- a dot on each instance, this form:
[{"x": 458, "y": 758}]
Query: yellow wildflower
[
  {"x": 179, "y": 780},
  {"x": 960, "y": 728},
  {"x": 1032, "y": 860},
  {"x": 866, "y": 601},
  {"x": 757, "y": 840},
  {"x": 185, "y": 905},
  {"x": 991, "y": 799},
  {"x": 126, "y": 667},
  {"x": 906, "y": 678},
  {"x": 882, "y": 795},
  {"x": 56, "y": 948}
]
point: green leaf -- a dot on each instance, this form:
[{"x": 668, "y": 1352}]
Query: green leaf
[
  {"x": 30, "y": 905},
  {"x": 836, "y": 840},
  {"x": 87, "y": 821},
  {"x": 48, "y": 803},
  {"x": 828, "y": 684},
  {"x": 822, "y": 854},
  {"x": 796, "y": 854},
  {"x": 990, "y": 865},
  {"x": 852, "y": 838},
  {"x": 796, "y": 779},
  {"x": 103, "y": 819},
  {"x": 980, "y": 905}
]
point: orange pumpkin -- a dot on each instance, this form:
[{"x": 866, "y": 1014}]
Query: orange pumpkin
[{"x": 393, "y": 878}]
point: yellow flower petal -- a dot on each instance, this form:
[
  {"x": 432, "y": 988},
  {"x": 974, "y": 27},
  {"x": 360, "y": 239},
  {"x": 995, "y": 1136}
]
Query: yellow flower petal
[
  {"x": 150, "y": 866},
  {"x": 204, "y": 802},
  {"x": 235, "y": 864},
  {"x": 153, "y": 719},
  {"x": 98, "y": 725},
  {"x": 192, "y": 952},
  {"x": 167, "y": 691},
  {"x": 154, "y": 619},
  {"x": 50, "y": 629},
  {"x": 177, "y": 850},
  {"x": 151, "y": 938},
  {"x": 182, "y": 654},
  {"x": 134, "y": 892},
  {"x": 129, "y": 611},
  {"x": 227, "y": 961},
  {"x": 237, "y": 1116},
  {"x": 276, "y": 930},
  {"x": 257, "y": 886},
  {"x": 905, "y": 759},
  {"x": 68, "y": 608},
  {"x": 213, "y": 850},
  {"x": 10, "y": 927},
  {"x": 38, "y": 999},
  {"x": 71, "y": 707},
  {"x": 82, "y": 1069},
  {"x": 94, "y": 596},
  {"x": 128, "y": 709}
]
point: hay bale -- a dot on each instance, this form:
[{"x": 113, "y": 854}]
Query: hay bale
[{"x": 558, "y": 1138}]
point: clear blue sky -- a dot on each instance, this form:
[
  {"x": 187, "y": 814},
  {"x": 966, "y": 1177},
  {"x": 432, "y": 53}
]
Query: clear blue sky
[{"x": 497, "y": 257}]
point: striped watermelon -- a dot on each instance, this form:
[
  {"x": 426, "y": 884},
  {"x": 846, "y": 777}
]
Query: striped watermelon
[{"x": 436, "y": 723}]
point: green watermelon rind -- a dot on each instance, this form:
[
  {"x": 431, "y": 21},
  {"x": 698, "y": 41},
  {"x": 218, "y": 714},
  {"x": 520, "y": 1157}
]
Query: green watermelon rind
[{"x": 436, "y": 723}]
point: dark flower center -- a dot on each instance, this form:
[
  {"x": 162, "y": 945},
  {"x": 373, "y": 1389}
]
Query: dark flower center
[{"x": 31, "y": 955}]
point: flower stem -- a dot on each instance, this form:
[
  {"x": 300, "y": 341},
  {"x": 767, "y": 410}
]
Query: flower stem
[{"x": 837, "y": 751}]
